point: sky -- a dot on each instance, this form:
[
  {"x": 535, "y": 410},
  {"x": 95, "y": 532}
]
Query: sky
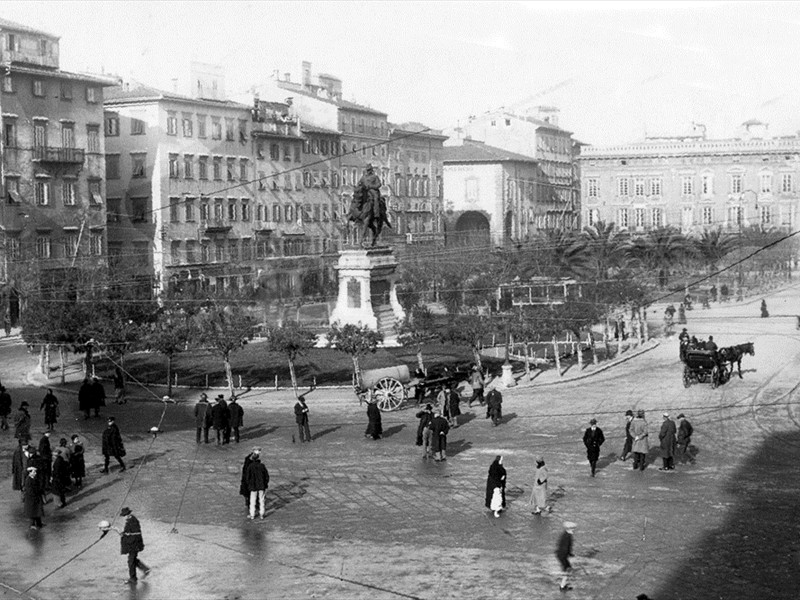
[{"x": 617, "y": 70}]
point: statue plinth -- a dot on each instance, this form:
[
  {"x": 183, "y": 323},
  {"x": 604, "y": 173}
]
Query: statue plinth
[{"x": 368, "y": 290}]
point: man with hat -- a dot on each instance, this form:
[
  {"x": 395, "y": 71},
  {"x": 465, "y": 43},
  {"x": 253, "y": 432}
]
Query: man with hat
[
  {"x": 539, "y": 493},
  {"x": 202, "y": 417},
  {"x": 220, "y": 419},
  {"x": 640, "y": 445},
  {"x": 235, "y": 419},
  {"x": 5, "y": 407},
  {"x": 98, "y": 395},
  {"x": 131, "y": 543},
  {"x": 667, "y": 437},
  {"x": 22, "y": 422},
  {"x": 301, "y": 418},
  {"x": 685, "y": 431},
  {"x": 593, "y": 438},
  {"x": 257, "y": 479},
  {"x": 564, "y": 552},
  {"x": 626, "y": 448},
  {"x": 112, "y": 445},
  {"x": 425, "y": 417}
]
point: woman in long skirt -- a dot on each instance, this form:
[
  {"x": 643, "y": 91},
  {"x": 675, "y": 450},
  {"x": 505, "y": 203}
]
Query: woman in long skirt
[
  {"x": 77, "y": 463},
  {"x": 496, "y": 487},
  {"x": 375, "y": 426},
  {"x": 50, "y": 407}
]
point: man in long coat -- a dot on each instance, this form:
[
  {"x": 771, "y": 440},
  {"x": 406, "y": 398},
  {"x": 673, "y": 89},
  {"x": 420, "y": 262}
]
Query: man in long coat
[
  {"x": 301, "y": 418},
  {"x": 640, "y": 445},
  {"x": 22, "y": 422},
  {"x": 5, "y": 407},
  {"x": 667, "y": 437},
  {"x": 685, "y": 431},
  {"x": 202, "y": 421},
  {"x": 593, "y": 438},
  {"x": 131, "y": 543},
  {"x": 628, "y": 446},
  {"x": 18, "y": 460},
  {"x": 375, "y": 424},
  {"x": 494, "y": 406},
  {"x": 236, "y": 417},
  {"x": 220, "y": 417},
  {"x": 32, "y": 497},
  {"x": 112, "y": 445},
  {"x": 257, "y": 478},
  {"x": 425, "y": 417},
  {"x": 98, "y": 396},
  {"x": 439, "y": 429},
  {"x": 85, "y": 398}
]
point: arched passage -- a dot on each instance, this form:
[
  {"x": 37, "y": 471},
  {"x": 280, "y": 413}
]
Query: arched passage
[{"x": 470, "y": 228}]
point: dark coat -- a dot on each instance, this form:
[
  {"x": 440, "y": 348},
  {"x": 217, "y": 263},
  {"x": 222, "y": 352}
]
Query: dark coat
[
  {"x": 243, "y": 489},
  {"x": 32, "y": 497},
  {"x": 131, "y": 539},
  {"x": 50, "y": 406},
  {"x": 22, "y": 424},
  {"x": 85, "y": 396},
  {"x": 494, "y": 403},
  {"x": 236, "y": 414},
  {"x": 202, "y": 414},
  {"x": 667, "y": 437},
  {"x": 425, "y": 417},
  {"x": 564, "y": 548},
  {"x": 98, "y": 394},
  {"x": 5, "y": 404},
  {"x": 685, "y": 431},
  {"x": 593, "y": 440},
  {"x": 17, "y": 469},
  {"x": 220, "y": 416},
  {"x": 301, "y": 413},
  {"x": 77, "y": 462},
  {"x": 375, "y": 426},
  {"x": 61, "y": 480},
  {"x": 112, "y": 441},
  {"x": 496, "y": 479},
  {"x": 439, "y": 429},
  {"x": 257, "y": 476},
  {"x": 453, "y": 400}
]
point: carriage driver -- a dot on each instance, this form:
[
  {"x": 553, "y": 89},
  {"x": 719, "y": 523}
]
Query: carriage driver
[{"x": 711, "y": 344}]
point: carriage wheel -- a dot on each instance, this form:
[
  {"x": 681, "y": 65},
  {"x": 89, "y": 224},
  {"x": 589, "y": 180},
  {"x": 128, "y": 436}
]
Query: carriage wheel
[
  {"x": 715, "y": 377},
  {"x": 687, "y": 376},
  {"x": 389, "y": 393}
]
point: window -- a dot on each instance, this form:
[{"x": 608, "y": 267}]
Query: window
[
  {"x": 44, "y": 47},
  {"x": 787, "y": 183},
  {"x": 276, "y": 213},
  {"x": 67, "y": 135},
  {"x": 205, "y": 253},
  {"x": 174, "y": 171},
  {"x": 39, "y": 134},
  {"x": 188, "y": 166},
  {"x": 242, "y": 131},
  {"x": 13, "y": 43},
  {"x": 592, "y": 187},
  {"x": 243, "y": 169},
  {"x": 687, "y": 217},
  {"x": 138, "y": 162},
  {"x": 95, "y": 192},
  {"x": 140, "y": 253},
  {"x": 172, "y": 123},
  {"x": 42, "y": 192},
  {"x": 187, "y": 125},
  {"x": 232, "y": 210},
  {"x": 622, "y": 186},
  {"x": 175, "y": 252},
  {"x": 766, "y": 214},
  {"x": 219, "y": 252},
  {"x": 96, "y": 244},
  {"x": 93, "y": 138},
  {"x": 219, "y": 209},
  {"x": 786, "y": 216},
  {"x": 288, "y": 213},
  {"x": 12, "y": 190},
  {"x": 707, "y": 185},
  {"x": 736, "y": 184},
  {"x": 139, "y": 210},
  {"x": 68, "y": 192},
  {"x": 174, "y": 210},
  {"x": 638, "y": 187},
  {"x": 216, "y": 128},
  {"x": 708, "y": 215},
  {"x": 247, "y": 249},
  {"x": 202, "y": 167},
  {"x": 638, "y": 215},
  {"x": 201, "y": 126},
  {"x": 92, "y": 95},
  {"x": 188, "y": 210},
  {"x": 112, "y": 126},
  {"x": 66, "y": 91},
  {"x": 655, "y": 186},
  {"x": 657, "y": 217},
  {"x": 191, "y": 251},
  {"x": 231, "y": 169},
  {"x": 204, "y": 214},
  {"x": 13, "y": 248},
  {"x": 43, "y": 249},
  {"x": 274, "y": 152},
  {"x": 217, "y": 165},
  {"x": 71, "y": 245},
  {"x": 297, "y": 154},
  {"x": 137, "y": 127},
  {"x": 766, "y": 183},
  {"x": 735, "y": 216},
  {"x": 687, "y": 185},
  {"x": 245, "y": 210},
  {"x": 622, "y": 218},
  {"x": 9, "y": 133},
  {"x": 8, "y": 84},
  {"x": 287, "y": 153},
  {"x": 229, "y": 130},
  {"x": 38, "y": 87}
]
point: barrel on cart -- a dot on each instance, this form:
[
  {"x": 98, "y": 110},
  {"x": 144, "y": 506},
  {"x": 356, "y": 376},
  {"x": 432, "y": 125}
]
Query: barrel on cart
[{"x": 389, "y": 386}]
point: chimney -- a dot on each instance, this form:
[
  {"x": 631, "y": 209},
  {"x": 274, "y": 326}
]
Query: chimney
[
  {"x": 287, "y": 77},
  {"x": 276, "y": 75},
  {"x": 306, "y": 73}
]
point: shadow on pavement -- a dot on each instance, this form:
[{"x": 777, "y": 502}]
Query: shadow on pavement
[
  {"x": 756, "y": 552},
  {"x": 285, "y": 494},
  {"x": 606, "y": 460},
  {"x": 392, "y": 430},
  {"x": 508, "y": 418},
  {"x": 457, "y": 446},
  {"x": 466, "y": 418},
  {"x": 257, "y": 431},
  {"x": 319, "y": 434}
]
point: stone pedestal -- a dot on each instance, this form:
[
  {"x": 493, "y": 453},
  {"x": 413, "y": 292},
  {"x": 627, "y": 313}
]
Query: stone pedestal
[
  {"x": 368, "y": 290},
  {"x": 507, "y": 379}
]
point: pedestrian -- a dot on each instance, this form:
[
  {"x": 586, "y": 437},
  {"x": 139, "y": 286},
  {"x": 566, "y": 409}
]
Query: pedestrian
[
  {"x": 667, "y": 437},
  {"x": 220, "y": 418},
  {"x": 77, "y": 462},
  {"x": 496, "y": 487},
  {"x": 22, "y": 422},
  {"x": 443, "y": 402},
  {"x": 593, "y": 438},
  {"x": 5, "y": 407},
  {"x": 243, "y": 489},
  {"x": 131, "y": 543},
  {"x": 119, "y": 386},
  {"x": 640, "y": 445},
  {"x": 374, "y": 424},
  {"x": 425, "y": 417},
  {"x": 723, "y": 290},
  {"x": 50, "y": 407},
  {"x": 681, "y": 314},
  {"x": 683, "y": 343},
  {"x": 63, "y": 447},
  {"x": 98, "y": 396},
  {"x": 18, "y": 460},
  {"x": 764, "y": 311},
  {"x": 419, "y": 389},
  {"x": 453, "y": 405},
  {"x": 301, "y": 418},
  {"x": 685, "y": 431},
  {"x": 46, "y": 454},
  {"x": 257, "y": 483},
  {"x": 60, "y": 479},
  {"x": 112, "y": 445},
  {"x": 564, "y": 552},
  {"x": 477, "y": 383},
  {"x": 236, "y": 418},
  {"x": 439, "y": 429},
  {"x": 628, "y": 445},
  {"x": 539, "y": 493},
  {"x": 7, "y": 323},
  {"x": 32, "y": 498},
  {"x": 202, "y": 413},
  {"x": 494, "y": 406},
  {"x": 85, "y": 398}
]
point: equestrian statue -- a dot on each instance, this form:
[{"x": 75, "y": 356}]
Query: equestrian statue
[{"x": 368, "y": 206}]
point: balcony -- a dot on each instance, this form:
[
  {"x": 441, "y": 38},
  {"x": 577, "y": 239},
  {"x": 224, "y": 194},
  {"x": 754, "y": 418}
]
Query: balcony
[
  {"x": 49, "y": 154},
  {"x": 214, "y": 226}
]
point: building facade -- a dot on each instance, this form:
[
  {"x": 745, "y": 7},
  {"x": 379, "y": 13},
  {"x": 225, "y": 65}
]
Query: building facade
[
  {"x": 693, "y": 183},
  {"x": 53, "y": 216}
]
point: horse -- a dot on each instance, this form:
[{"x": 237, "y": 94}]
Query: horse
[
  {"x": 368, "y": 208},
  {"x": 733, "y": 354}
]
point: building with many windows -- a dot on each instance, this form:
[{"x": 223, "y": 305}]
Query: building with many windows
[
  {"x": 693, "y": 183},
  {"x": 53, "y": 216}
]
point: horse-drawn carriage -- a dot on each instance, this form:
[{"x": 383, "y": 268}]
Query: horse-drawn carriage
[
  {"x": 389, "y": 386},
  {"x": 702, "y": 366}
]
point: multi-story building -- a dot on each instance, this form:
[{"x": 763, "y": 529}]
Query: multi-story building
[
  {"x": 540, "y": 138},
  {"x": 694, "y": 183},
  {"x": 53, "y": 216}
]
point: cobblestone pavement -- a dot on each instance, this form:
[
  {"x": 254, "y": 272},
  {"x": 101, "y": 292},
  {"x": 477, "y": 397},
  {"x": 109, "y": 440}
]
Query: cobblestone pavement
[{"x": 349, "y": 517}]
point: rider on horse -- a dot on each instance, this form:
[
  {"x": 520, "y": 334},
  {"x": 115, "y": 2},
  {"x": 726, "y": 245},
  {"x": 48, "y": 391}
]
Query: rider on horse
[{"x": 369, "y": 207}]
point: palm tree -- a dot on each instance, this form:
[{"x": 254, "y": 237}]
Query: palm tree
[
  {"x": 712, "y": 246},
  {"x": 659, "y": 249},
  {"x": 605, "y": 248}
]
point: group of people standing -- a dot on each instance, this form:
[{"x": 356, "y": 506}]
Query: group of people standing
[
  {"x": 673, "y": 440},
  {"x": 225, "y": 417},
  {"x": 91, "y": 397}
]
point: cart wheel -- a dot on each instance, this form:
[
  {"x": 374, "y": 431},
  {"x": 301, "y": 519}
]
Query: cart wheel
[
  {"x": 389, "y": 393},
  {"x": 687, "y": 377},
  {"x": 715, "y": 377}
]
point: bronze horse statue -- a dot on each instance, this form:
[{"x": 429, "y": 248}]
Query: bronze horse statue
[{"x": 369, "y": 209}]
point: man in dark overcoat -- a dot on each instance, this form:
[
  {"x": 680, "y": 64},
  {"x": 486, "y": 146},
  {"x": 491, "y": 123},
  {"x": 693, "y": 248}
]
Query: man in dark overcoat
[
  {"x": 425, "y": 417},
  {"x": 22, "y": 422},
  {"x": 667, "y": 437},
  {"x": 32, "y": 497},
  {"x": 301, "y": 418},
  {"x": 85, "y": 398},
  {"x": 220, "y": 418},
  {"x": 202, "y": 420},
  {"x": 439, "y": 429},
  {"x": 112, "y": 445},
  {"x": 563, "y": 554},
  {"x": 628, "y": 445},
  {"x": 257, "y": 482},
  {"x": 236, "y": 418},
  {"x": 593, "y": 438},
  {"x": 46, "y": 454},
  {"x": 494, "y": 406},
  {"x": 18, "y": 460},
  {"x": 98, "y": 396},
  {"x": 131, "y": 543},
  {"x": 374, "y": 423},
  {"x": 685, "y": 431},
  {"x": 5, "y": 407}
]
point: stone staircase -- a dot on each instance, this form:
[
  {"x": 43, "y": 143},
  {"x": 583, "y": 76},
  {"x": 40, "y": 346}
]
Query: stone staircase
[{"x": 386, "y": 320}]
